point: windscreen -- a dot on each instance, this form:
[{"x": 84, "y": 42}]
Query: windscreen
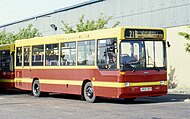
[{"x": 140, "y": 54}]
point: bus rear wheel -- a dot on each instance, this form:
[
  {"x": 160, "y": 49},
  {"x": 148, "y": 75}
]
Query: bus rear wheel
[
  {"x": 88, "y": 92},
  {"x": 36, "y": 88}
]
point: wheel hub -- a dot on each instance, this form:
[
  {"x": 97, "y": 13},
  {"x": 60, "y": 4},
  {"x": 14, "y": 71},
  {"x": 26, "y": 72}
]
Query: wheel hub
[
  {"x": 36, "y": 89},
  {"x": 89, "y": 92}
]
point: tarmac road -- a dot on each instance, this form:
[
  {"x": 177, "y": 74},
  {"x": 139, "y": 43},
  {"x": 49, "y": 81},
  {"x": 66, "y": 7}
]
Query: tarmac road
[{"x": 22, "y": 105}]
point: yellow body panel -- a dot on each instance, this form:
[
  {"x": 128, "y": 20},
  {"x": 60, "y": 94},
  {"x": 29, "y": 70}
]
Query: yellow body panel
[
  {"x": 7, "y": 47},
  {"x": 94, "y": 83},
  {"x": 89, "y": 35},
  {"x": 7, "y": 81}
]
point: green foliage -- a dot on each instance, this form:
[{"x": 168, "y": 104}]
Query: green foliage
[
  {"x": 6, "y": 38},
  {"x": 29, "y": 32},
  {"x": 88, "y": 25},
  {"x": 25, "y": 33},
  {"x": 187, "y": 37}
]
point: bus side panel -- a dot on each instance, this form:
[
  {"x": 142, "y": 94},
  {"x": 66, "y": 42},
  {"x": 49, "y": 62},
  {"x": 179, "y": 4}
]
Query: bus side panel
[
  {"x": 7, "y": 85},
  {"x": 69, "y": 89},
  {"x": 7, "y": 80},
  {"x": 106, "y": 92},
  {"x": 63, "y": 74},
  {"x": 54, "y": 80},
  {"x": 68, "y": 80},
  {"x": 104, "y": 89},
  {"x": 105, "y": 82},
  {"x": 23, "y": 83}
]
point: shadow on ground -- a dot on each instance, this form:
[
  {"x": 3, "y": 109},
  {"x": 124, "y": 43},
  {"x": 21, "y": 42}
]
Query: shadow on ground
[
  {"x": 12, "y": 92},
  {"x": 144, "y": 100}
]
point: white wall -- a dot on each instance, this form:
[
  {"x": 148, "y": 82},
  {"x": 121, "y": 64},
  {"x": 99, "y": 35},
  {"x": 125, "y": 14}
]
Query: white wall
[{"x": 178, "y": 58}]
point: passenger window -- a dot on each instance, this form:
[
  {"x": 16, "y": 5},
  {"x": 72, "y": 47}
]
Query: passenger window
[
  {"x": 5, "y": 60},
  {"x": 86, "y": 52},
  {"x": 19, "y": 56},
  {"x": 107, "y": 53},
  {"x": 37, "y": 55},
  {"x": 52, "y": 54},
  {"x": 68, "y": 53},
  {"x": 26, "y": 56}
]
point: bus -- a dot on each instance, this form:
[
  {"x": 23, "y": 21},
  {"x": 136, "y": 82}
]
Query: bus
[
  {"x": 124, "y": 62},
  {"x": 7, "y": 66}
]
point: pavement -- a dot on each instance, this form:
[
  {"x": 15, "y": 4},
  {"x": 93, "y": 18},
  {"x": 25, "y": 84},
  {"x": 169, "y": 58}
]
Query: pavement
[{"x": 180, "y": 92}]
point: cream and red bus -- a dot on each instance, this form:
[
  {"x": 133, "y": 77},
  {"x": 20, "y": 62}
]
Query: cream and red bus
[{"x": 125, "y": 62}]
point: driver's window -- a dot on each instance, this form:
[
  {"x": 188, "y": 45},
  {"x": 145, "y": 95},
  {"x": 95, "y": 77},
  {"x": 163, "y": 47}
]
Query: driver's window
[
  {"x": 129, "y": 52},
  {"x": 132, "y": 55}
]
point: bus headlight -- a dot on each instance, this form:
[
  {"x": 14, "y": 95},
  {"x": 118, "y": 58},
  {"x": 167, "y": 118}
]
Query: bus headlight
[
  {"x": 162, "y": 82},
  {"x": 127, "y": 84}
]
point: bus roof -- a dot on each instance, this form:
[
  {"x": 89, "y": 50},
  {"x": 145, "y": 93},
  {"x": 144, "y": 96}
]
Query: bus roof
[
  {"x": 88, "y": 35},
  {"x": 7, "y": 47}
]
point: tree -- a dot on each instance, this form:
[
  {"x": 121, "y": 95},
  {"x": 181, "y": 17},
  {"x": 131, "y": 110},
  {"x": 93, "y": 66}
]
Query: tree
[
  {"x": 6, "y": 38},
  {"x": 88, "y": 25},
  {"x": 29, "y": 32},
  {"x": 187, "y": 37},
  {"x": 24, "y": 33}
]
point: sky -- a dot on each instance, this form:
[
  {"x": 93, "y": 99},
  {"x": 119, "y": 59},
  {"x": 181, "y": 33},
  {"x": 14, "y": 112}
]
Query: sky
[{"x": 14, "y": 10}]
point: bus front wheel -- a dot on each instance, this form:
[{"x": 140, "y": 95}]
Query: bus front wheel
[
  {"x": 88, "y": 92},
  {"x": 36, "y": 88}
]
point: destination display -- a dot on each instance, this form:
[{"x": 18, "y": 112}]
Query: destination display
[{"x": 144, "y": 34}]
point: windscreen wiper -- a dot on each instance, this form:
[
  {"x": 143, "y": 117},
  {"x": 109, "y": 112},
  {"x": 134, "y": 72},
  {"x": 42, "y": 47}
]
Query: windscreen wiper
[
  {"x": 132, "y": 66},
  {"x": 155, "y": 67},
  {"x": 153, "y": 64}
]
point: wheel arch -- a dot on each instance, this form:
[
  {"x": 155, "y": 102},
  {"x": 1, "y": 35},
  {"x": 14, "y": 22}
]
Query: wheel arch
[{"x": 35, "y": 78}]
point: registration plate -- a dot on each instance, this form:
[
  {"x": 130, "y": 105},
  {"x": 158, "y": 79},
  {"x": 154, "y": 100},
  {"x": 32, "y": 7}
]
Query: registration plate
[{"x": 145, "y": 89}]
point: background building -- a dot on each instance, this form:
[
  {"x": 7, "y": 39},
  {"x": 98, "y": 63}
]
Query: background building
[{"x": 171, "y": 14}]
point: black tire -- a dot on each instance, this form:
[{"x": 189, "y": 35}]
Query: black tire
[
  {"x": 36, "y": 88},
  {"x": 88, "y": 92}
]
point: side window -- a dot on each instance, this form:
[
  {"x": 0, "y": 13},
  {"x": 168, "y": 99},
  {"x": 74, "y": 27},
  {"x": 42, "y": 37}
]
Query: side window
[
  {"x": 37, "y": 55},
  {"x": 107, "y": 53},
  {"x": 19, "y": 56},
  {"x": 5, "y": 60},
  {"x": 52, "y": 54},
  {"x": 26, "y": 56},
  {"x": 86, "y": 52},
  {"x": 68, "y": 53}
]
